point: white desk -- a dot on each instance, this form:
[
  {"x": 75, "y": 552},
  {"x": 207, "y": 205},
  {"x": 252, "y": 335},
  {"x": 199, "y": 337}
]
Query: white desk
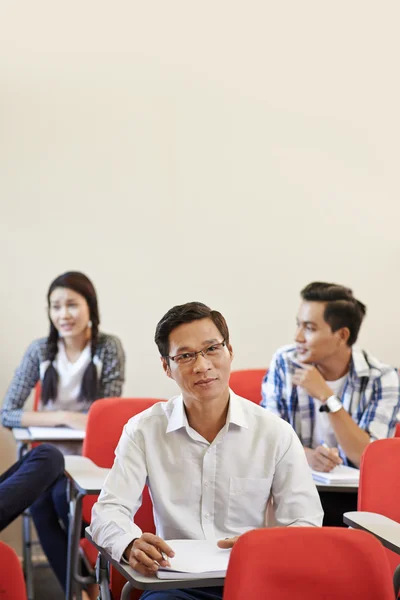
[
  {"x": 386, "y": 530},
  {"x": 345, "y": 488},
  {"x": 88, "y": 478},
  {"x": 135, "y": 580},
  {"x": 24, "y": 437},
  {"x": 85, "y": 479}
]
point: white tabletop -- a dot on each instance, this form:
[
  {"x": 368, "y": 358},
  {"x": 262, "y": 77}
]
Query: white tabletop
[
  {"x": 385, "y": 529},
  {"x": 336, "y": 487},
  {"x": 47, "y": 434},
  {"x": 87, "y": 476}
]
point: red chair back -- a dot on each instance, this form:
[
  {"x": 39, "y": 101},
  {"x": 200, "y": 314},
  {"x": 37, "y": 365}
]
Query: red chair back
[
  {"x": 397, "y": 430},
  {"x": 247, "y": 383},
  {"x": 12, "y": 584},
  {"x": 106, "y": 420},
  {"x": 307, "y": 563},
  {"x": 379, "y": 490}
]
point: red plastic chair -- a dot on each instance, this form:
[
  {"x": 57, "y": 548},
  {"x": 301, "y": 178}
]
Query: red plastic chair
[
  {"x": 247, "y": 383},
  {"x": 397, "y": 431},
  {"x": 12, "y": 584},
  {"x": 106, "y": 419},
  {"x": 308, "y": 563},
  {"x": 379, "y": 489}
]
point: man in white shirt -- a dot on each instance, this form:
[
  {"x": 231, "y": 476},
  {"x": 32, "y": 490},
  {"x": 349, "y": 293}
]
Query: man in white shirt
[{"x": 212, "y": 460}]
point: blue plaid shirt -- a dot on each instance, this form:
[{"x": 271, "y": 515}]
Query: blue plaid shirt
[{"x": 371, "y": 395}]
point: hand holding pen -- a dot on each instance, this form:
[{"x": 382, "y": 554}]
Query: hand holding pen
[{"x": 323, "y": 458}]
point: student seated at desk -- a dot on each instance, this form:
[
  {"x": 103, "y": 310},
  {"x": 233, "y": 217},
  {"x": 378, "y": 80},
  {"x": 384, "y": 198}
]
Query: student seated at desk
[
  {"x": 337, "y": 397},
  {"x": 212, "y": 460},
  {"x": 76, "y": 364}
]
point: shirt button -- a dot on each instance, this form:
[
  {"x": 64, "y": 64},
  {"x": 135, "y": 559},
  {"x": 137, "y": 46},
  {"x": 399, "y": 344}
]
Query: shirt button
[
  {"x": 205, "y": 483},
  {"x": 207, "y": 515}
]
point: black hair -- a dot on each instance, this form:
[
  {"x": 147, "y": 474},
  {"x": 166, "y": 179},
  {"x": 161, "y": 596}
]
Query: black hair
[
  {"x": 186, "y": 313},
  {"x": 78, "y": 282},
  {"x": 341, "y": 310}
]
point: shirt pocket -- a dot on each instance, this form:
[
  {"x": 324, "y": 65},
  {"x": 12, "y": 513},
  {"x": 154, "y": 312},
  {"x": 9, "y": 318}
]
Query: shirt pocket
[{"x": 248, "y": 498}]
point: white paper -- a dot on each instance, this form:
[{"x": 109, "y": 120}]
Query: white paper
[
  {"x": 340, "y": 474},
  {"x": 56, "y": 433},
  {"x": 196, "y": 558}
]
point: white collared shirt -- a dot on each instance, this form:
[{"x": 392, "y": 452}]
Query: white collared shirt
[{"x": 201, "y": 490}]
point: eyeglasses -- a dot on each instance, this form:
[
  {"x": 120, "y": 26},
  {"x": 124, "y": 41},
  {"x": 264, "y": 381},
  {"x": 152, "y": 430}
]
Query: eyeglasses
[{"x": 188, "y": 358}]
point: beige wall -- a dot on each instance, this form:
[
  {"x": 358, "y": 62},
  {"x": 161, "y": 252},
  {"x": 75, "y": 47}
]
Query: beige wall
[{"x": 228, "y": 152}]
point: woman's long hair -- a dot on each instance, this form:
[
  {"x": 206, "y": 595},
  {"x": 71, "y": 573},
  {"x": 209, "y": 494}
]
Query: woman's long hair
[{"x": 78, "y": 282}]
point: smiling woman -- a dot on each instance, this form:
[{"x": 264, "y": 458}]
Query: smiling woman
[{"x": 76, "y": 364}]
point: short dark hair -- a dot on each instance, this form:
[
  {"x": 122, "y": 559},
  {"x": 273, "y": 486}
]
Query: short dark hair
[
  {"x": 187, "y": 313},
  {"x": 341, "y": 310}
]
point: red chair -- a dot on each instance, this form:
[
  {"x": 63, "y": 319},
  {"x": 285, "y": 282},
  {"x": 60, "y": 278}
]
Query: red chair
[
  {"x": 308, "y": 563},
  {"x": 106, "y": 419},
  {"x": 397, "y": 431},
  {"x": 247, "y": 383},
  {"x": 379, "y": 489},
  {"x": 12, "y": 584}
]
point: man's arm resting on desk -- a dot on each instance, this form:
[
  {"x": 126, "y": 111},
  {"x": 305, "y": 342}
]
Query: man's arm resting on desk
[{"x": 145, "y": 554}]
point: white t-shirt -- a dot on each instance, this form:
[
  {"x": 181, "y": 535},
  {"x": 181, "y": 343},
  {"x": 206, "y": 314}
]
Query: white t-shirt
[
  {"x": 323, "y": 432},
  {"x": 69, "y": 380}
]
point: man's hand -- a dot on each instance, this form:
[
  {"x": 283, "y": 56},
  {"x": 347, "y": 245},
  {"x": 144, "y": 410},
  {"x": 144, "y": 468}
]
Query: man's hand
[
  {"x": 228, "y": 543},
  {"x": 310, "y": 379},
  {"x": 144, "y": 554},
  {"x": 323, "y": 459}
]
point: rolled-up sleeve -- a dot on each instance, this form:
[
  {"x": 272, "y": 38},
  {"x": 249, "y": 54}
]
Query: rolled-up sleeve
[
  {"x": 380, "y": 417},
  {"x": 112, "y": 526}
]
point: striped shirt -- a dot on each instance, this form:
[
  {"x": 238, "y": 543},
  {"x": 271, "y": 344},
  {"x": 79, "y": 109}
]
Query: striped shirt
[
  {"x": 371, "y": 395},
  {"x": 109, "y": 359}
]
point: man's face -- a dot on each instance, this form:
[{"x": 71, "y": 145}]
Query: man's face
[
  {"x": 206, "y": 377},
  {"x": 315, "y": 340}
]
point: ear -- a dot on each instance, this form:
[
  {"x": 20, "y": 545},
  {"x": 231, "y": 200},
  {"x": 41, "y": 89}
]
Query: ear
[
  {"x": 344, "y": 334},
  {"x": 166, "y": 367},
  {"x": 230, "y": 349}
]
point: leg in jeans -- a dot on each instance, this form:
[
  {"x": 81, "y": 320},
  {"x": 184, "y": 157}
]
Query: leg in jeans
[
  {"x": 27, "y": 479},
  {"x": 210, "y": 593},
  {"x": 50, "y": 515}
]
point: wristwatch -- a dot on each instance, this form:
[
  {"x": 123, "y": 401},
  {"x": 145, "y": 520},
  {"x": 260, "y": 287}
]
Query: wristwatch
[{"x": 332, "y": 405}]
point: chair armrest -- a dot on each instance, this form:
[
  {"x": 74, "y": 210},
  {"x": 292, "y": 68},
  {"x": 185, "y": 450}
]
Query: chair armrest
[
  {"x": 85, "y": 475},
  {"x": 384, "y": 529}
]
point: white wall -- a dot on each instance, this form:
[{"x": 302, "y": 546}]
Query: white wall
[{"x": 228, "y": 152}]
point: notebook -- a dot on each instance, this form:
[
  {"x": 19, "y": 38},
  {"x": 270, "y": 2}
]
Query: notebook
[
  {"x": 195, "y": 559},
  {"x": 340, "y": 474},
  {"x": 56, "y": 433}
]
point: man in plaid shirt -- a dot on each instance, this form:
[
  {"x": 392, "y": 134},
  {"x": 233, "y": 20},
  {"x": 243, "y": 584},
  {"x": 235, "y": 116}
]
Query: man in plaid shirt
[{"x": 337, "y": 397}]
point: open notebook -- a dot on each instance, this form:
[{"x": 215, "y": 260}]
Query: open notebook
[
  {"x": 56, "y": 433},
  {"x": 195, "y": 559},
  {"x": 340, "y": 474}
]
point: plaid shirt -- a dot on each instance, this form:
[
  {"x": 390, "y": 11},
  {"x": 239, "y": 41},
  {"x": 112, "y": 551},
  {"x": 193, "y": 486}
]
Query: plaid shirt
[
  {"x": 109, "y": 352},
  {"x": 371, "y": 395}
]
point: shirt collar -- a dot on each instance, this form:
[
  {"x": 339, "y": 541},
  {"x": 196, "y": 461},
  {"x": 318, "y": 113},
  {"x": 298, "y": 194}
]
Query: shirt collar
[
  {"x": 359, "y": 364},
  {"x": 236, "y": 413}
]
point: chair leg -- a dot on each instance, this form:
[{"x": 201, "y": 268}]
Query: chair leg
[
  {"x": 102, "y": 578},
  {"x": 396, "y": 581},
  {"x": 126, "y": 591},
  {"x": 27, "y": 554}
]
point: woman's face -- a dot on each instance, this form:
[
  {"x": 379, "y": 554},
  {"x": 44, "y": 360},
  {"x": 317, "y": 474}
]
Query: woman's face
[{"x": 69, "y": 312}]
